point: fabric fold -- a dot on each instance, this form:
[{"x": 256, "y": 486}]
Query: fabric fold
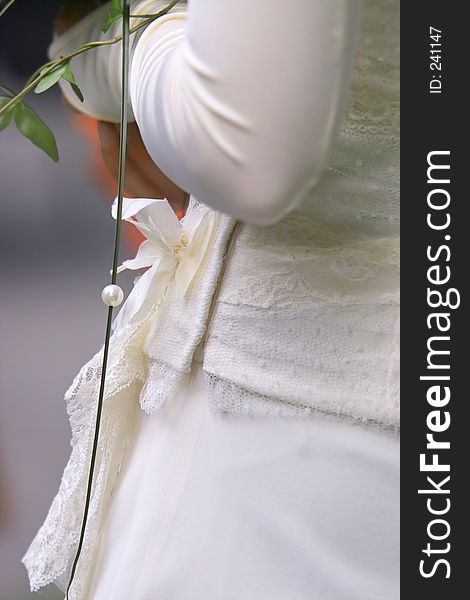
[
  {"x": 50, "y": 554},
  {"x": 170, "y": 250}
]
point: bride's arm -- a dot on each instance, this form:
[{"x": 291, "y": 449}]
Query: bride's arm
[{"x": 236, "y": 100}]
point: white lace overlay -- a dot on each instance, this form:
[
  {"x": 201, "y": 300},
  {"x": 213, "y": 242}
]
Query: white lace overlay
[
  {"x": 307, "y": 317},
  {"x": 305, "y": 321},
  {"x": 131, "y": 370}
]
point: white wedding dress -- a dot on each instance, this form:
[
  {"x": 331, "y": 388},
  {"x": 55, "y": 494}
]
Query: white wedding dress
[
  {"x": 221, "y": 506},
  {"x": 230, "y": 507}
]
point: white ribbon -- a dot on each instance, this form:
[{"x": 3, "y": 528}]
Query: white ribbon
[{"x": 173, "y": 248}]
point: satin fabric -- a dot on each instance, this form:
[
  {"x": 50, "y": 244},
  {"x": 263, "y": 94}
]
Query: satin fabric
[
  {"x": 228, "y": 507},
  {"x": 173, "y": 248}
]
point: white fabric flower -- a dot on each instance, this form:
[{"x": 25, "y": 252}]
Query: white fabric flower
[{"x": 173, "y": 248}]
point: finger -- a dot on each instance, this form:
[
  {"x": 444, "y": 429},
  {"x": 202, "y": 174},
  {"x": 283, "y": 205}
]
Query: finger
[
  {"x": 109, "y": 140},
  {"x": 143, "y": 177},
  {"x": 151, "y": 172},
  {"x": 136, "y": 184}
]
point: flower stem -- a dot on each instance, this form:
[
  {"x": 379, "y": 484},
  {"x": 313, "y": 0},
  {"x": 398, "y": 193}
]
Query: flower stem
[
  {"x": 50, "y": 66},
  {"x": 121, "y": 179},
  {"x": 6, "y": 7}
]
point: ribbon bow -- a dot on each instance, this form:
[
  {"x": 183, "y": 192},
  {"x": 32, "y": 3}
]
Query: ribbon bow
[{"x": 172, "y": 248}]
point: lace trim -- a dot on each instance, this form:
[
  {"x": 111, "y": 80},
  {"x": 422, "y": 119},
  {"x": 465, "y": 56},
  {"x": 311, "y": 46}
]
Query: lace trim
[
  {"x": 51, "y": 552},
  {"x": 130, "y": 369},
  {"x": 228, "y": 397},
  {"x": 161, "y": 380}
]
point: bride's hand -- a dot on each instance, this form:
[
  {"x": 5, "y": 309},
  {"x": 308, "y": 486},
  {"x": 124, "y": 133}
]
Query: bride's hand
[{"x": 143, "y": 177}]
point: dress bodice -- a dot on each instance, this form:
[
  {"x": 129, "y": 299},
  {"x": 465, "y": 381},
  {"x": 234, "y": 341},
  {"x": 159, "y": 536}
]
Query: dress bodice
[{"x": 314, "y": 298}]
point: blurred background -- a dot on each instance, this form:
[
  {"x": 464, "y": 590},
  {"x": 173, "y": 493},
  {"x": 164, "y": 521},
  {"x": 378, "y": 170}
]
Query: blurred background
[{"x": 56, "y": 236}]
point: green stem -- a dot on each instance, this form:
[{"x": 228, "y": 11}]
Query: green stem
[
  {"x": 53, "y": 64},
  {"x": 122, "y": 139},
  {"x": 121, "y": 179},
  {"x": 5, "y": 8}
]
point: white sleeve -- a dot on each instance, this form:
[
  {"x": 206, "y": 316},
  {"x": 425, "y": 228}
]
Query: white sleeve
[{"x": 237, "y": 100}]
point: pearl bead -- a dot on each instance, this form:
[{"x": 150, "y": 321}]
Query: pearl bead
[{"x": 112, "y": 295}]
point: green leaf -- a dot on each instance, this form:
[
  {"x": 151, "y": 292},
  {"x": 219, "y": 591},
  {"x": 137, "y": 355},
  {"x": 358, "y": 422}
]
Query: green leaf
[
  {"x": 7, "y": 116},
  {"x": 115, "y": 13},
  {"x": 33, "y": 127},
  {"x": 49, "y": 80},
  {"x": 68, "y": 76}
]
